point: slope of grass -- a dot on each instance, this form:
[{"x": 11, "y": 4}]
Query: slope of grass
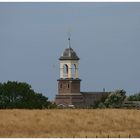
[{"x": 70, "y": 123}]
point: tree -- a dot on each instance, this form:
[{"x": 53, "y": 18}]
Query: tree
[
  {"x": 21, "y": 95},
  {"x": 115, "y": 99},
  {"x": 135, "y": 97}
]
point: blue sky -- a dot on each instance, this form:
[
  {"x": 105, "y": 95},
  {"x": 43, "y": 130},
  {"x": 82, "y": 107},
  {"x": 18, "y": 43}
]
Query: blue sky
[{"x": 106, "y": 37}]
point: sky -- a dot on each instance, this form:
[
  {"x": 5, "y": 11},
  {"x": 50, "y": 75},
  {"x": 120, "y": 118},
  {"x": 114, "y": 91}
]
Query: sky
[{"x": 106, "y": 37}]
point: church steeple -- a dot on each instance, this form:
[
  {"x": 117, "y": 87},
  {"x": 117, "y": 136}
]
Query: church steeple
[{"x": 69, "y": 62}]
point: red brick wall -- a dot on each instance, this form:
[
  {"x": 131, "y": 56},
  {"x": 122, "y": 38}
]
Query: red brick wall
[{"x": 68, "y": 86}]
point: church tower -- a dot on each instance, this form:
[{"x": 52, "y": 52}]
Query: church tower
[{"x": 69, "y": 82}]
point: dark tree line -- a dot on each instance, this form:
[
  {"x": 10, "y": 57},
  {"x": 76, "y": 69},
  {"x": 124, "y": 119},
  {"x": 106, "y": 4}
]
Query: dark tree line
[
  {"x": 135, "y": 97},
  {"x": 21, "y": 95}
]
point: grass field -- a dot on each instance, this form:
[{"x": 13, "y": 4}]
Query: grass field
[{"x": 70, "y": 123}]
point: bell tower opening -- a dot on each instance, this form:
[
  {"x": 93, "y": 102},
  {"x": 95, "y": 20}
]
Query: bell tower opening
[
  {"x": 73, "y": 70},
  {"x": 65, "y": 71}
]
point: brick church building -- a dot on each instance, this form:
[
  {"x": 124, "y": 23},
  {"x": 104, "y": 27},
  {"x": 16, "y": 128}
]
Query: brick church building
[{"x": 69, "y": 93}]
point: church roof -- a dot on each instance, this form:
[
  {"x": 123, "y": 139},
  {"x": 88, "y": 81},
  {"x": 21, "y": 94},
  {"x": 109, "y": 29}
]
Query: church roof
[{"x": 69, "y": 54}]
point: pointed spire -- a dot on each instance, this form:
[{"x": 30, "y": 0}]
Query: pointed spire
[
  {"x": 69, "y": 42},
  {"x": 69, "y": 39}
]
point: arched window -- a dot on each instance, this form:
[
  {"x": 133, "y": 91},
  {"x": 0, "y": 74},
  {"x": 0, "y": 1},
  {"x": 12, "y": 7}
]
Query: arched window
[
  {"x": 74, "y": 70},
  {"x": 65, "y": 70}
]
